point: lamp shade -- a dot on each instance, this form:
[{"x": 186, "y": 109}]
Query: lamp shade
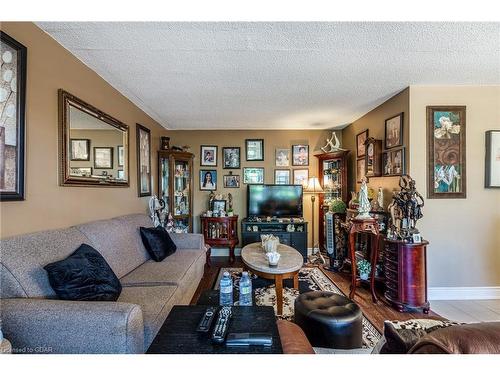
[{"x": 313, "y": 186}]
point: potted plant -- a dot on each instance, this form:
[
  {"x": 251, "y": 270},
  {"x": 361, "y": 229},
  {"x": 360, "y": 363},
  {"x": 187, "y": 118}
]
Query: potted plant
[
  {"x": 364, "y": 268},
  {"x": 337, "y": 206}
]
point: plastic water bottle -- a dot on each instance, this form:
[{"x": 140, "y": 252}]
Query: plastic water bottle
[
  {"x": 245, "y": 290},
  {"x": 226, "y": 290}
]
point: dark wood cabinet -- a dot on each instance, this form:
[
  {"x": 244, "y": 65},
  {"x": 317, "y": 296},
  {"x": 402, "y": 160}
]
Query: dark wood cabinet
[
  {"x": 405, "y": 269},
  {"x": 332, "y": 174},
  {"x": 221, "y": 232}
]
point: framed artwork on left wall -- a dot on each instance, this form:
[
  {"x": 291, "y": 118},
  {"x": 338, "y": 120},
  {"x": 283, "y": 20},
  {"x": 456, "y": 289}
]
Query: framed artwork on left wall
[
  {"x": 12, "y": 120},
  {"x": 143, "y": 145}
]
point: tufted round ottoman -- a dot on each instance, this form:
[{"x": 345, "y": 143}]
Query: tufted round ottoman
[{"x": 329, "y": 320}]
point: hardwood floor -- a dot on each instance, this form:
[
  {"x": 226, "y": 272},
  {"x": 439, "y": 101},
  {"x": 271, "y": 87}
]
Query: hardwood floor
[{"x": 375, "y": 313}]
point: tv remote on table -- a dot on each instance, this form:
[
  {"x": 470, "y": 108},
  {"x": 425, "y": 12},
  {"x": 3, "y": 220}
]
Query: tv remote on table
[
  {"x": 249, "y": 339},
  {"x": 222, "y": 325},
  {"x": 207, "y": 319}
]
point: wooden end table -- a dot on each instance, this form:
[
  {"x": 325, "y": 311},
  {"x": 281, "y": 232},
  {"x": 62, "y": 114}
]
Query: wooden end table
[
  {"x": 221, "y": 232},
  {"x": 254, "y": 258}
]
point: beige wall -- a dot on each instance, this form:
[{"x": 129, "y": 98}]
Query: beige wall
[
  {"x": 374, "y": 121},
  {"x": 47, "y": 204},
  {"x": 226, "y": 138},
  {"x": 464, "y": 234}
]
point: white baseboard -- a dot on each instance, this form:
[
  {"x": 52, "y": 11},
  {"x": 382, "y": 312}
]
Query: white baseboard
[{"x": 461, "y": 293}]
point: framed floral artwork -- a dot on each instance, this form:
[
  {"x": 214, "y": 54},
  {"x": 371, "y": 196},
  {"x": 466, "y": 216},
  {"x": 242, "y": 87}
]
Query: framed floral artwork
[
  {"x": 360, "y": 143},
  {"x": 492, "y": 162},
  {"x": 446, "y": 169}
]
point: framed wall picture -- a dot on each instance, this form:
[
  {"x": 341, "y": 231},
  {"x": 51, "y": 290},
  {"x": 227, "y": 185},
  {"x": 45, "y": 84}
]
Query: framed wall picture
[
  {"x": 208, "y": 156},
  {"x": 393, "y": 162},
  {"x": 231, "y": 157},
  {"x": 231, "y": 181},
  {"x": 282, "y": 157},
  {"x": 120, "y": 153},
  {"x": 300, "y": 155},
  {"x": 394, "y": 131},
  {"x": 446, "y": 170},
  {"x": 80, "y": 171},
  {"x": 253, "y": 175},
  {"x": 12, "y": 120},
  {"x": 282, "y": 176},
  {"x": 79, "y": 149},
  {"x": 143, "y": 144},
  {"x": 254, "y": 149},
  {"x": 373, "y": 157},
  {"x": 103, "y": 157},
  {"x": 492, "y": 163},
  {"x": 300, "y": 176},
  {"x": 218, "y": 205},
  {"x": 208, "y": 179},
  {"x": 360, "y": 143},
  {"x": 360, "y": 169}
]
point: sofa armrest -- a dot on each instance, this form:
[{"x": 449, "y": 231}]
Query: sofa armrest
[
  {"x": 293, "y": 339},
  {"x": 57, "y": 326},
  {"x": 188, "y": 240}
]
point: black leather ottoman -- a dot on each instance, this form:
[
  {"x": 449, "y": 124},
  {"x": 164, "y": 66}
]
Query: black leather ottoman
[{"x": 329, "y": 320}]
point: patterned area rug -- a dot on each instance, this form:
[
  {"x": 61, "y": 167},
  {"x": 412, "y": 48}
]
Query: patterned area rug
[{"x": 310, "y": 279}]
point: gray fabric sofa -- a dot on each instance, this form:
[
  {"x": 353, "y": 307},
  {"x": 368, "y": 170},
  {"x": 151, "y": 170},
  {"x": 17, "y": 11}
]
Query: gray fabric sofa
[{"x": 35, "y": 321}]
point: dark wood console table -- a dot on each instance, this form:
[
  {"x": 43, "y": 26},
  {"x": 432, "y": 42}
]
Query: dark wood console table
[
  {"x": 405, "y": 268},
  {"x": 370, "y": 226},
  {"x": 221, "y": 232}
]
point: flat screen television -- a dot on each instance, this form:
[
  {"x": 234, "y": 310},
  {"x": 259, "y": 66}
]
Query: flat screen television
[{"x": 274, "y": 200}]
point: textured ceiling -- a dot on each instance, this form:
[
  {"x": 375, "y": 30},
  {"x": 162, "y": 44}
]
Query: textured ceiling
[{"x": 225, "y": 75}]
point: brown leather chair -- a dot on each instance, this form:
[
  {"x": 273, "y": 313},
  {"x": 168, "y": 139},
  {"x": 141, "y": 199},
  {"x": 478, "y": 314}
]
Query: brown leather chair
[
  {"x": 476, "y": 338},
  {"x": 293, "y": 339}
]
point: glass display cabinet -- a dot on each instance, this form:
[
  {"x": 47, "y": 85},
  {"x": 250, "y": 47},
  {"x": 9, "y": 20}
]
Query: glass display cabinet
[
  {"x": 175, "y": 187},
  {"x": 332, "y": 175}
]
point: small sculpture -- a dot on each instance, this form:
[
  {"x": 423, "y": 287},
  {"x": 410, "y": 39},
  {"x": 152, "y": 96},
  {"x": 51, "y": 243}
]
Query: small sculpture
[
  {"x": 170, "y": 227},
  {"x": 354, "y": 199},
  {"x": 364, "y": 204},
  {"x": 333, "y": 143},
  {"x": 157, "y": 211},
  {"x": 405, "y": 209},
  {"x": 230, "y": 201},
  {"x": 378, "y": 204}
]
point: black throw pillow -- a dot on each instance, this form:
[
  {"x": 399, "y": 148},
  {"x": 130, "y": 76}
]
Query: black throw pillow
[
  {"x": 84, "y": 276},
  {"x": 157, "y": 242}
]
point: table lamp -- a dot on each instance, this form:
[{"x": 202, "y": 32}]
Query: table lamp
[{"x": 313, "y": 187}]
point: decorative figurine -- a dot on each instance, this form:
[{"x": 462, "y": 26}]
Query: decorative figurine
[
  {"x": 378, "y": 204},
  {"x": 230, "y": 201},
  {"x": 157, "y": 211},
  {"x": 354, "y": 199},
  {"x": 405, "y": 210},
  {"x": 170, "y": 227},
  {"x": 364, "y": 204},
  {"x": 333, "y": 143}
]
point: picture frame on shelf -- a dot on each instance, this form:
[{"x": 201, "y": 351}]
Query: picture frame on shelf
[
  {"x": 103, "y": 157},
  {"x": 253, "y": 175},
  {"x": 492, "y": 161},
  {"x": 13, "y": 120},
  {"x": 121, "y": 156},
  {"x": 208, "y": 156},
  {"x": 218, "y": 205},
  {"x": 373, "y": 156},
  {"x": 143, "y": 150},
  {"x": 208, "y": 179},
  {"x": 231, "y": 181},
  {"x": 282, "y": 157},
  {"x": 393, "y": 131},
  {"x": 446, "y": 142},
  {"x": 360, "y": 143},
  {"x": 80, "y": 171},
  {"x": 300, "y": 155},
  {"x": 120, "y": 174},
  {"x": 79, "y": 149},
  {"x": 231, "y": 158},
  {"x": 282, "y": 176},
  {"x": 360, "y": 169},
  {"x": 300, "y": 176},
  {"x": 394, "y": 162},
  {"x": 254, "y": 149}
]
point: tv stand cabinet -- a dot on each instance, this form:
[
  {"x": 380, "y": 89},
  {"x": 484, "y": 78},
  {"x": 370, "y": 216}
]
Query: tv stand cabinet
[{"x": 252, "y": 230}]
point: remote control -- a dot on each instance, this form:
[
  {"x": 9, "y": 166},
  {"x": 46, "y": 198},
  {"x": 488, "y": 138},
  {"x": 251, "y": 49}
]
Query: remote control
[
  {"x": 247, "y": 339},
  {"x": 207, "y": 319},
  {"x": 222, "y": 325}
]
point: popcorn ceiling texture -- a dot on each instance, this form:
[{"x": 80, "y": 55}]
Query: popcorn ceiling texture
[{"x": 277, "y": 75}]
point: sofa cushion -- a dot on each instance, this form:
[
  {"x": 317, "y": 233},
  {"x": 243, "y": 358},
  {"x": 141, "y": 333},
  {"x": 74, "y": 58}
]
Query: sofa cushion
[
  {"x": 118, "y": 241},
  {"x": 155, "y": 302},
  {"x": 27, "y": 254},
  {"x": 170, "y": 271},
  {"x": 84, "y": 276},
  {"x": 157, "y": 242}
]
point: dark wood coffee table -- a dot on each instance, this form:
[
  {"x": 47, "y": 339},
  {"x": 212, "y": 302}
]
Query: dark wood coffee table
[{"x": 178, "y": 334}]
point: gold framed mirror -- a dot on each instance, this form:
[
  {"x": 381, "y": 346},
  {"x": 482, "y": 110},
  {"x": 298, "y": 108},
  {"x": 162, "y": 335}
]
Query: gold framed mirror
[{"x": 93, "y": 146}]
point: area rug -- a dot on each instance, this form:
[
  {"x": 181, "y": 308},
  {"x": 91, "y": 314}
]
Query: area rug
[{"x": 310, "y": 279}]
